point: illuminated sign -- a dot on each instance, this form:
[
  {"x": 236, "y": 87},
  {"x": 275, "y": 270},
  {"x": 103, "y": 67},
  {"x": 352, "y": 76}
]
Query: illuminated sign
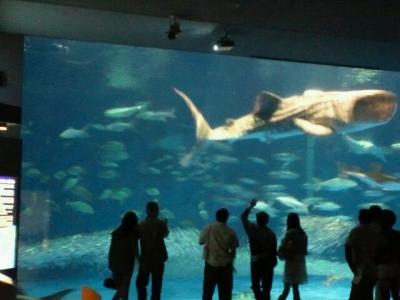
[{"x": 8, "y": 231}]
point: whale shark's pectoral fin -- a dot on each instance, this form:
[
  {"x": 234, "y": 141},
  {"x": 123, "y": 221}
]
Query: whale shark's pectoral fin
[
  {"x": 265, "y": 105},
  {"x": 311, "y": 128}
]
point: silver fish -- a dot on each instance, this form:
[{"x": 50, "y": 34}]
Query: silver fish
[
  {"x": 73, "y": 133},
  {"x": 126, "y": 111},
  {"x": 365, "y": 147}
]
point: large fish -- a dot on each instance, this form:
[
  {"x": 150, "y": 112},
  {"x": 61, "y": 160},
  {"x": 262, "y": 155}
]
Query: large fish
[
  {"x": 376, "y": 180},
  {"x": 365, "y": 147},
  {"x": 317, "y": 113}
]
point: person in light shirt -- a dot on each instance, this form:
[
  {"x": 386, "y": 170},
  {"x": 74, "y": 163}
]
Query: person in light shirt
[{"x": 220, "y": 243}]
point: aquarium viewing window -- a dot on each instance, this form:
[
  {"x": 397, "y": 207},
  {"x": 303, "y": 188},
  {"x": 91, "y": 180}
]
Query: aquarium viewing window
[{"x": 106, "y": 128}]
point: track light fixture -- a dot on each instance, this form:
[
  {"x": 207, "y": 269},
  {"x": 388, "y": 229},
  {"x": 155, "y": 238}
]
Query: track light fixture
[
  {"x": 224, "y": 44},
  {"x": 174, "y": 28}
]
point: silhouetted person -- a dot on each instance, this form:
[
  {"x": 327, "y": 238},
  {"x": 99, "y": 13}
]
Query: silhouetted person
[
  {"x": 122, "y": 254},
  {"x": 263, "y": 245},
  {"x": 376, "y": 213},
  {"x": 360, "y": 252},
  {"x": 153, "y": 253},
  {"x": 388, "y": 259},
  {"x": 293, "y": 250},
  {"x": 220, "y": 243}
]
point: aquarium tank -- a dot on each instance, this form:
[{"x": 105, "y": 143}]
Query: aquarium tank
[{"x": 107, "y": 128}]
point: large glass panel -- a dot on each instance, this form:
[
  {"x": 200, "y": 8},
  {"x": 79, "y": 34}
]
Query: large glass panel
[{"x": 104, "y": 132}]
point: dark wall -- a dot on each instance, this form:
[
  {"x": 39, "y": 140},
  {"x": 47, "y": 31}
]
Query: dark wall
[{"x": 349, "y": 33}]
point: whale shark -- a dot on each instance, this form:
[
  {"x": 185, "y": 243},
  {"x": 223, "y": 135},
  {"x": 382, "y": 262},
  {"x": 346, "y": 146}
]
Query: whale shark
[{"x": 318, "y": 113}]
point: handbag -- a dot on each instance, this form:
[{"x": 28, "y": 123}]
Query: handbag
[
  {"x": 287, "y": 251},
  {"x": 109, "y": 283}
]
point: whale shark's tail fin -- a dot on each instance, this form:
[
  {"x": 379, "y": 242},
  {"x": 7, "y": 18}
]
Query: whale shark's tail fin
[{"x": 202, "y": 128}]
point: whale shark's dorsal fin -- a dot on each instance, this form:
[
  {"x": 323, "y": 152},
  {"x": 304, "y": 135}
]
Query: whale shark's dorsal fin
[
  {"x": 265, "y": 105},
  {"x": 311, "y": 128}
]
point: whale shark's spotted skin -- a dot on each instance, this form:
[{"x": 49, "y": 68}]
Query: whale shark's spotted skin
[{"x": 315, "y": 112}]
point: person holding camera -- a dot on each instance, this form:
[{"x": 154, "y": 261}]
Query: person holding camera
[{"x": 263, "y": 244}]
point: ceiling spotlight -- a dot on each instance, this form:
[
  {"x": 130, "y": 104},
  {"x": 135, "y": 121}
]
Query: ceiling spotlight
[
  {"x": 224, "y": 44},
  {"x": 174, "y": 28},
  {"x": 3, "y": 126}
]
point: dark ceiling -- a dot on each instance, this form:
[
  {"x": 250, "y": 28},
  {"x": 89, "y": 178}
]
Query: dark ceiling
[{"x": 353, "y": 33}]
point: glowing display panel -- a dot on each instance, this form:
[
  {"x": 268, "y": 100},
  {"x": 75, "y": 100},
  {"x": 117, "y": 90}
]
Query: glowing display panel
[{"x": 7, "y": 222}]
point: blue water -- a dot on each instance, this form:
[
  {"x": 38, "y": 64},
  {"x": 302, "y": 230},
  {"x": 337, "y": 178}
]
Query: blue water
[{"x": 84, "y": 164}]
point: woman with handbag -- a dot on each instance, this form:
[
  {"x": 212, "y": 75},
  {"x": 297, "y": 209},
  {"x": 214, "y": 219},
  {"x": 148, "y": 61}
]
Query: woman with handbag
[
  {"x": 293, "y": 251},
  {"x": 122, "y": 254}
]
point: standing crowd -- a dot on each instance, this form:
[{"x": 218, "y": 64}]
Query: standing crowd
[
  {"x": 372, "y": 251},
  {"x": 149, "y": 234},
  {"x": 220, "y": 243}
]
